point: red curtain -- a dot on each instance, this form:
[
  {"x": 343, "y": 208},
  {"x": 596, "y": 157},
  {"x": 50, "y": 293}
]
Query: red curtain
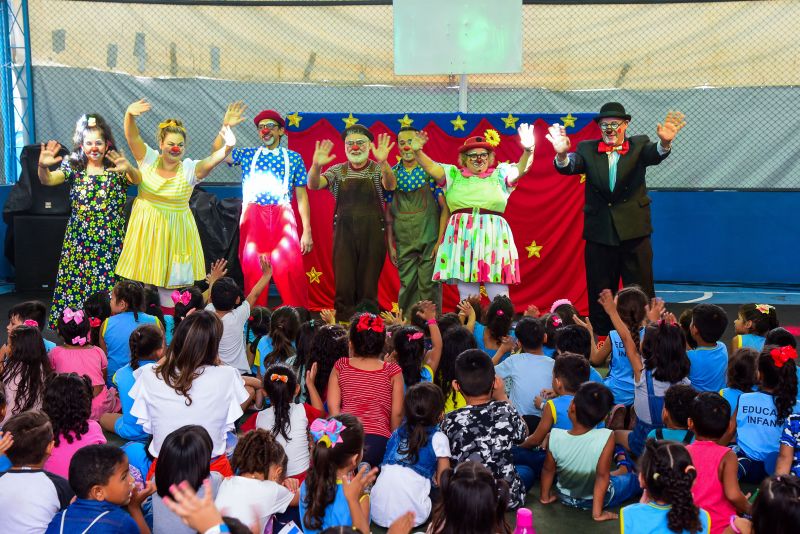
[{"x": 546, "y": 208}]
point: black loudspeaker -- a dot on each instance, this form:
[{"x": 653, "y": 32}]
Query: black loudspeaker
[
  {"x": 45, "y": 200},
  {"x": 37, "y": 246}
]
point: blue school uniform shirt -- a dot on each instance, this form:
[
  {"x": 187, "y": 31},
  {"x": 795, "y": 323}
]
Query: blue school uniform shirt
[
  {"x": 752, "y": 341},
  {"x": 651, "y": 518},
  {"x": 5, "y": 463},
  {"x": 559, "y": 407},
  {"x": 620, "y": 372},
  {"x": 709, "y": 367},
  {"x": 169, "y": 328},
  {"x": 81, "y": 513},
  {"x": 48, "y": 345},
  {"x": 116, "y": 332},
  {"x": 337, "y": 513},
  {"x": 549, "y": 351},
  {"x": 595, "y": 376},
  {"x": 672, "y": 434},
  {"x": 758, "y": 431},
  {"x": 526, "y": 375},
  {"x": 478, "y": 333},
  {"x": 732, "y": 396},
  {"x": 126, "y": 426}
]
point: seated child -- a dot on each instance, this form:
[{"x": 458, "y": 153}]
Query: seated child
[
  {"x": 789, "y": 453},
  {"x": 710, "y": 358},
  {"x": 529, "y": 372},
  {"x": 499, "y": 317},
  {"x": 258, "y": 490},
  {"x": 28, "y": 313},
  {"x": 666, "y": 473},
  {"x": 582, "y": 458},
  {"x": 454, "y": 342},
  {"x": 576, "y": 339},
  {"x": 103, "y": 485},
  {"x": 675, "y": 413},
  {"x": 741, "y": 376},
  {"x": 256, "y": 335},
  {"x": 488, "y": 427},
  {"x": 30, "y": 496},
  {"x": 279, "y": 346},
  {"x": 24, "y": 371},
  {"x": 716, "y": 488},
  {"x": 97, "y": 308},
  {"x": 68, "y": 403},
  {"x": 775, "y": 509},
  {"x": 780, "y": 337},
  {"x": 79, "y": 355},
  {"x": 752, "y": 324}
]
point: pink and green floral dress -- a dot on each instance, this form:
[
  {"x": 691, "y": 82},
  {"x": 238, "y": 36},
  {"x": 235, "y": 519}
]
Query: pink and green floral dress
[{"x": 477, "y": 247}]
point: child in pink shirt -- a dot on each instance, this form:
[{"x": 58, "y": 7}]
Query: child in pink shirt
[
  {"x": 78, "y": 355},
  {"x": 67, "y": 402},
  {"x": 716, "y": 487}
]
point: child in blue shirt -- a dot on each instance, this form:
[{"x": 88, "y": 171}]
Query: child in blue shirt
[
  {"x": 578, "y": 338},
  {"x": 99, "y": 476},
  {"x": 499, "y": 318},
  {"x": 752, "y": 325},
  {"x": 710, "y": 358},
  {"x": 127, "y": 299},
  {"x": 741, "y": 376},
  {"x": 677, "y": 402}
]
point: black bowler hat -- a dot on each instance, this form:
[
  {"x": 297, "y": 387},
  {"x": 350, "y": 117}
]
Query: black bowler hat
[{"x": 612, "y": 109}]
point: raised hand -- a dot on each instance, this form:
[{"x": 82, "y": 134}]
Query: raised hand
[
  {"x": 329, "y": 316},
  {"x": 138, "y": 107},
  {"x": 465, "y": 310},
  {"x": 322, "y": 153},
  {"x": 672, "y": 125},
  {"x": 5, "y": 442},
  {"x": 655, "y": 310},
  {"x": 234, "y": 114},
  {"x": 381, "y": 150},
  {"x": 532, "y": 311},
  {"x": 199, "y": 514},
  {"x": 419, "y": 140},
  {"x": 393, "y": 317},
  {"x": 48, "y": 154},
  {"x": 508, "y": 343},
  {"x": 587, "y": 324},
  {"x": 353, "y": 487},
  {"x": 138, "y": 496},
  {"x": 228, "y": 136},
  {"x": 526, "y": 137},
  {"x": 606, "y": 300},
  {"x": 311, "y": 374},
  {"x": 218, "y": 269},
  {"x": 121, "y": 164},
  {"x": 557, "y": 135},
  {"x": 427, "y": 310},
  {"x": 266, "y": 266}
]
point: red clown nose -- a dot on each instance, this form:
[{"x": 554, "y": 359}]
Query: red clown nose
[
  {"x": 406, "y": 148},
  {"x": 264, "y": 131},
  {"x": 175, "y": 150}
]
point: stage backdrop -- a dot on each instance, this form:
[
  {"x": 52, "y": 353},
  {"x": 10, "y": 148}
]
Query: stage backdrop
[{"x": 545, "y": 211}]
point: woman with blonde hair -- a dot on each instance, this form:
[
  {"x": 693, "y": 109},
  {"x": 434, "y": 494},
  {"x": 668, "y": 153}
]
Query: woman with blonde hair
[{"x": 162, "y": 245}]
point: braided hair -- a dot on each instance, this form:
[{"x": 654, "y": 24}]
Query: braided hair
[{"x": 631, "y": 306}]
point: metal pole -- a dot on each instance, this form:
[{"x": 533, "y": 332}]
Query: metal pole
[
  {"x": 7, "y": 104},
  {"x": 28, "y": 115},
  {"x": 463, "y": 96}
]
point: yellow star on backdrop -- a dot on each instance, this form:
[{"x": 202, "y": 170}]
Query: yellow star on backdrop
[
  {"x": 583, "y": 178},
  {"x": 569, "y": 120},
  {"x": 406, "y": 121},
  {"x": 294, "y": 119},
  {"x": 395, "y": 307},
  {"x": 349, "y": 121},
  {"x": 458, "y": 123},
  {"x": 314, "y": 275},
  {"x": 484, "y": 293},
  {"x": 533, "y": 250},
  {"x": 510, "y": 121}
]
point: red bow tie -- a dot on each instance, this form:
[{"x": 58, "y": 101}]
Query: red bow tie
[{"x": 608, "y": 149}]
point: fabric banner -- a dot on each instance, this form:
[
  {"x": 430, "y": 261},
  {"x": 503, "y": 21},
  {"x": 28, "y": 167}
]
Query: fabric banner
[{"x": 545, "y": 212}]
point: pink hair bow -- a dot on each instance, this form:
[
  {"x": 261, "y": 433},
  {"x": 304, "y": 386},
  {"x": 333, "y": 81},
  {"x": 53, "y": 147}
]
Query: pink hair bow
[
  {"x": 414, "y": 337},
  {"x": 79, "y": 340},
  {"x": 556, "y": 320},
  {"x": 558, "y": 303},
  {"x": 31, "y": 322},
  {"x": 184, "y": 297},
  {"x": 500, "y": 313},
  {"x": 327, "y": 431},
  {"x": 70, "y": 315}
]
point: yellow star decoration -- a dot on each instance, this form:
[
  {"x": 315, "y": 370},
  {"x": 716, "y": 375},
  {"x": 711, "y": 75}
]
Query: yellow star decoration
[
  {"x": 313, "y": 276},
  {"x": 294, "y": 119},
  {"x": 583, "y": 178},
  {"x": 510, "y": 121},
  {"x": 533, "y": 250},
  {"x": 349, "y": 121},
  {"x": 483, "y": 292},
  {"x": 569, "y": 120},
  {"x": 406, "y": 121},
  {"x": 458, "y": 123},
  {"x": 395, "y": 307}
]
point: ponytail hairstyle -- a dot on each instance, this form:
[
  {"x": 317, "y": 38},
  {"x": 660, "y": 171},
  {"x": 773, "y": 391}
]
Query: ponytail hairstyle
[
  {"x": 328, "y": 345},
  {"x": 764, "y": 317},
  {"x": 668, "y": 474},
  {"x": 328, "y": 455},
  {"x": 98, "y": 308},
  {"x": 423, "y": 407},
  {"x": 28, "y": 366},
  {"x": 86, "y": 123},
  {"x": 145, "y": 341},
  {"x": 170, "y": 126},
  {"x": 499, "y": 317},
  {"x": 367, "y": 335},
  {"x": 280, "y": 383},
  {"x": 182, "y": 310},
  {"x": 68, "y": 403},
  {"x": 777, "y": 367},
  {"x": 742, "y": 369},
  {"x": 631, "y": 306},
  {"x": 664, "y": 352},
  {"x": 776, "y": 509},
  {"x": 74, "y": 328},
  {"x": 565, "y": 310},
  {"x": 305, "y": 337},
  {"x": 454, "y": 342},
  {"x": 152, "y": 304},
  {"x": 132, "y": 294},
  {"x": 256, "y": 452},
  {"x": 473, "y": 502},
  {"x": 685, "y": 320},
  {"x": 257, "y": 326},
  {"x": 552, "y": 324},
  {"x": 409, "y": 346},
  {"x": 780, "y": 337},
  {"x": 283, "y": 328}
]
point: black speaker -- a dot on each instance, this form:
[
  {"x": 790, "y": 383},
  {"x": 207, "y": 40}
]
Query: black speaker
[{"x": 37, "y": 247}]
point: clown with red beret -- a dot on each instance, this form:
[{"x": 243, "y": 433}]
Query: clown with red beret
[{"x": 271, "y": 174}]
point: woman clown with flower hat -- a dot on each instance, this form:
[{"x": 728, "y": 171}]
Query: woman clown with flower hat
[{"x": 478, "y": 246}]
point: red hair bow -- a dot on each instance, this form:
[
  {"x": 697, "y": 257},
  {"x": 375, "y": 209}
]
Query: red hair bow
[
  {"x": 94, "y": 322},
  {"x": 781, "y": 355},
  {"x": 370, "y": 322}
]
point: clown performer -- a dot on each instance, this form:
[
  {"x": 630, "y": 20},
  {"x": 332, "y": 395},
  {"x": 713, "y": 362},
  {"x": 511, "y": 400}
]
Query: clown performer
[
  {"x": 270, "y": 175},
  {"x": 358, "y": 187},
  {"x": 478, "y": 247},
  {"x": 162, "y": 245},
  {"x": 413, "y": 217}
]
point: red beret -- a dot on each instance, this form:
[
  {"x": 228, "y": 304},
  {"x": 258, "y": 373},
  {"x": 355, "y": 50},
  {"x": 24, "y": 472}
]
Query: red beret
[
  {"x": 270, "y": 114},
  {"x": 475, "y": 142}
]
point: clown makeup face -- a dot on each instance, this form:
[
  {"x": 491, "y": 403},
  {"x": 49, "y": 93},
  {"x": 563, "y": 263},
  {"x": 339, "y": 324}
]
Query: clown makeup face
[
  {"x": 477, "y": 160},
  {"x": 172, "y": 147},
  {"x": 357, "y": 147},
  {"x": 94, "y": 146},
  {"x": 404, "y": 140},
  {"x": 270, "y": 132},
  {"x": 613, "y": 130}
]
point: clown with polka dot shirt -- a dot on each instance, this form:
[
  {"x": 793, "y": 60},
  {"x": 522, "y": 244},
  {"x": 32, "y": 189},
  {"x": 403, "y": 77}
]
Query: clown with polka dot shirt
[{"x": 271, "y": 174}]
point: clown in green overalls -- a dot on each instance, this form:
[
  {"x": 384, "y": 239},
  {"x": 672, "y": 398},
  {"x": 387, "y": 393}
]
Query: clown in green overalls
[
  {"x": 413, "y": 216},
  {"x": 358, "y": 186}
]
